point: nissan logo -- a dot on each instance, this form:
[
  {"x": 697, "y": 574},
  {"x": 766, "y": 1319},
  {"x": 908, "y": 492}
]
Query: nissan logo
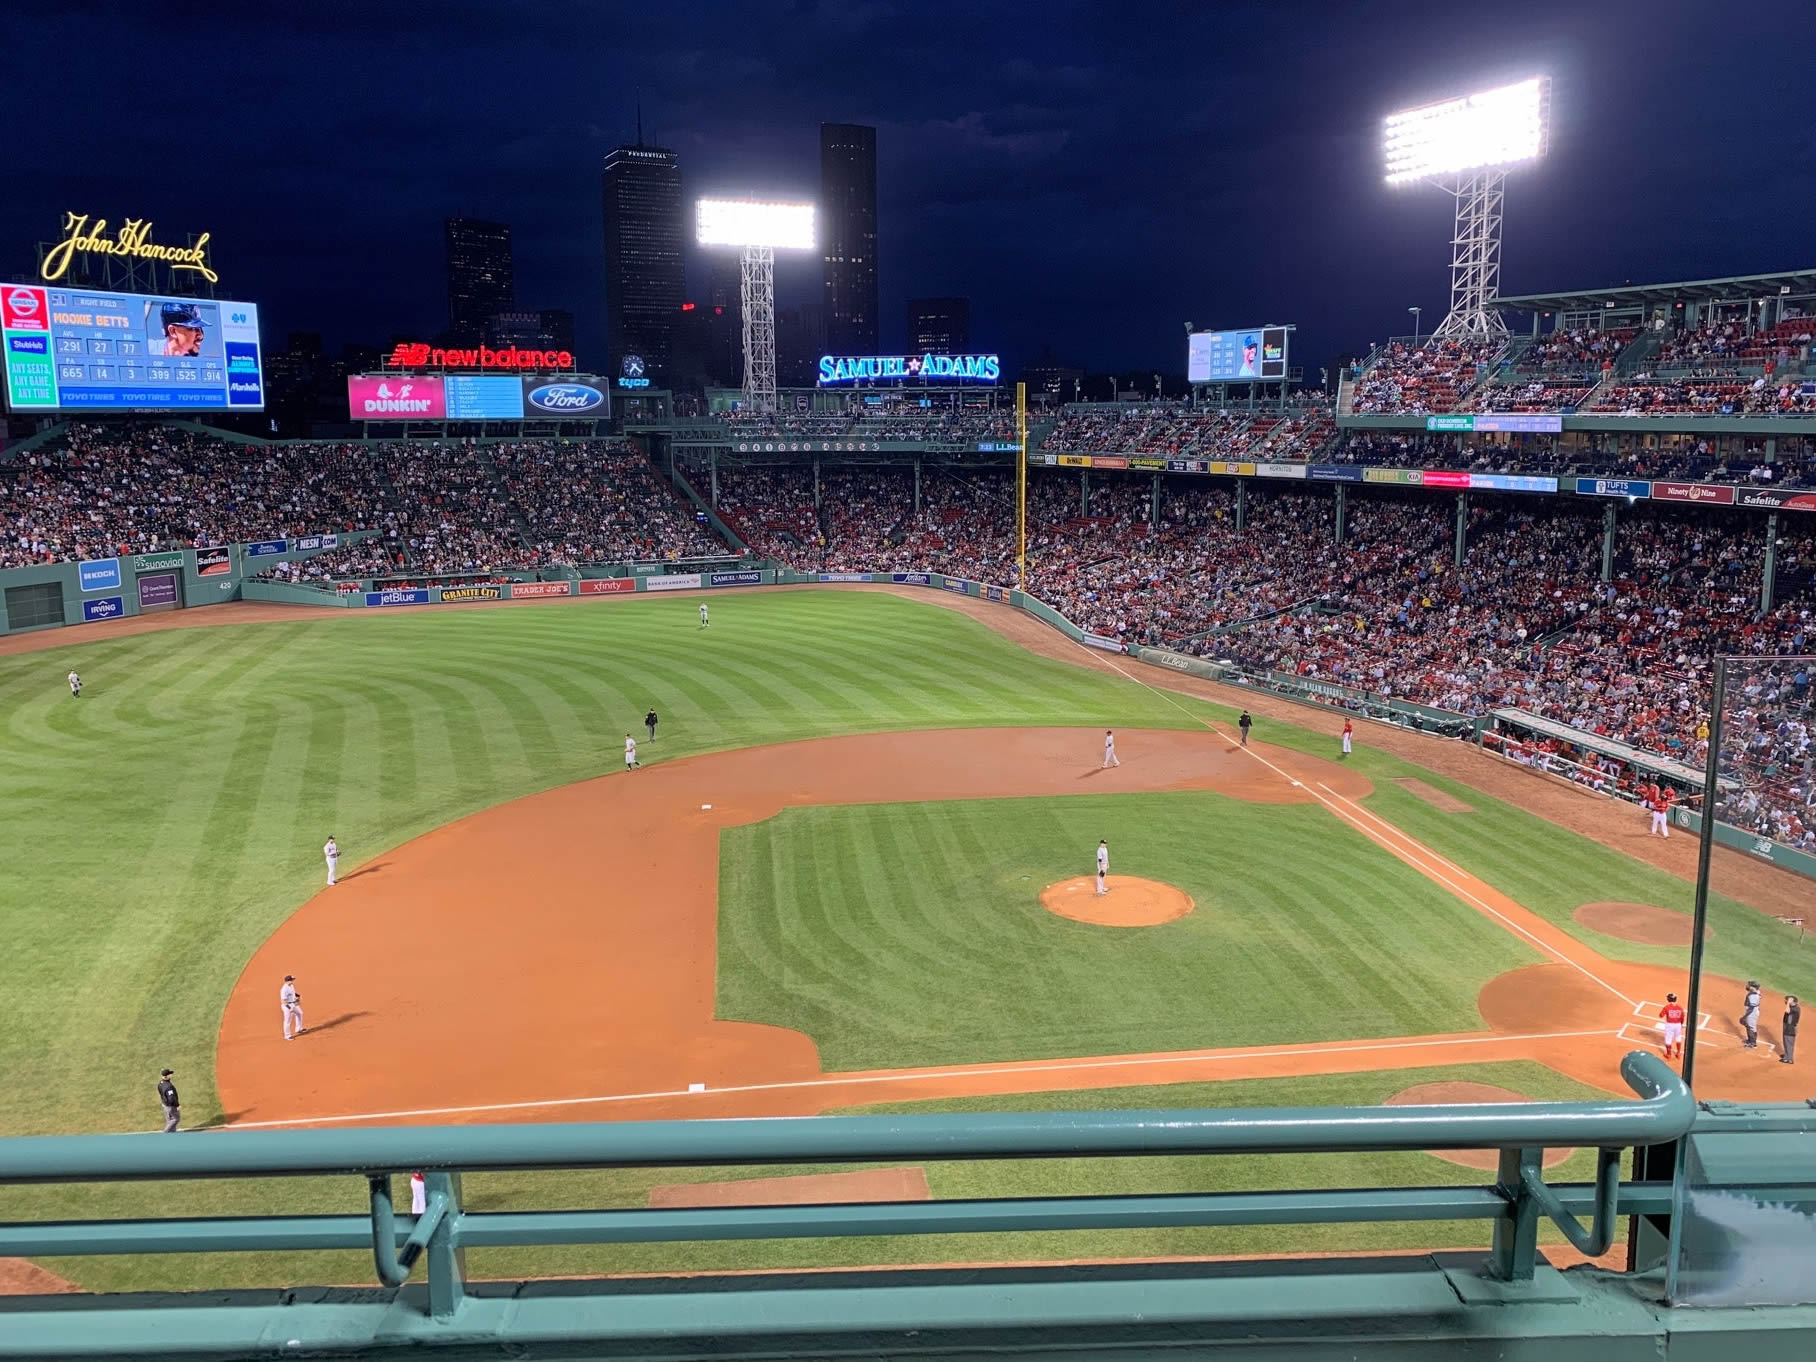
[
  {"x": 23, "y": 301},
  {"x": 565, "y": 397}
]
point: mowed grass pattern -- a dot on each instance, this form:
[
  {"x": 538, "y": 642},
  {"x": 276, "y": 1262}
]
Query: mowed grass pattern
[
  {"x": 156, "y": 830},
  {"x": 910, "y": 934}
]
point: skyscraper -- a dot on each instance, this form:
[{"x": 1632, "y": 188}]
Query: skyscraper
[
  {"x": 480, "y": 283},
  {"x": 645, "y": 280},
  {"x": 848, "y": 236},
  {"x": 939, "y": 326}
]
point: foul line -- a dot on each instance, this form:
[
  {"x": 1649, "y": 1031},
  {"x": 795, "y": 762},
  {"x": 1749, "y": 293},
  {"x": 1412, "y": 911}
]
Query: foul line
[
  {"x": 1410, "y": 849},
  {"x": 907, "y": 1076}
]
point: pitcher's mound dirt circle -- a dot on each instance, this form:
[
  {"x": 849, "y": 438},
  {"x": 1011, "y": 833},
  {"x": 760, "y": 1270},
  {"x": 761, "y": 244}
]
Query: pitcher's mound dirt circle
[
  {"x": 1641, "y": 922},
  {"x": 1441, "y": 1094},
  {"x": 1129, "y": 902}
]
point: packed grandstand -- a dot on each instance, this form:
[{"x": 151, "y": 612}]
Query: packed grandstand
[{"x": 1602, "y": 620}]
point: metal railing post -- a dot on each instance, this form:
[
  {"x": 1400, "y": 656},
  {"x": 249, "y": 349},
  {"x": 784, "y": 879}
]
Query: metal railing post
[
  {"x": 447, "y": 1259},
  {"x": 391, "y": 1263},
  {"x": 1514, "y": 1254}
]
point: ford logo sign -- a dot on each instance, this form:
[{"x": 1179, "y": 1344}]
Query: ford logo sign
[{"x": 565, "y": 397}]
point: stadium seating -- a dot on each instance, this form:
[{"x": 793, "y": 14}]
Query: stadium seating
[{"x": 1429, "y": 377}]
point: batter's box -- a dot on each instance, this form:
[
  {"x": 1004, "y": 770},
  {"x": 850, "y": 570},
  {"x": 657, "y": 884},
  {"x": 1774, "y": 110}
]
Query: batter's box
[
  {"x": 1637, "y": 1033},
  {"x": 1650, "y": 1012}
]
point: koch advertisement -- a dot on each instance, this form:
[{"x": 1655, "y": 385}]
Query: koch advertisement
[
  {"x": 568, "y": 398},
  {"x": 396, "y": 399},
  {"x": 675, "y": 581},
  {"x": 608, "y": 586},
  {"x": 736, "y": 579},
  {"x": 99, "y": 574}
]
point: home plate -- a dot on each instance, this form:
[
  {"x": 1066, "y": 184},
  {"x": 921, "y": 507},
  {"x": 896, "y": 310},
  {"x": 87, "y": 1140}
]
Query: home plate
[
  {"x": 696, "y": 1087},
  {"x": 706, "y": 806}
]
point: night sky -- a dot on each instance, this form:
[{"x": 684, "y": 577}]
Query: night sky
[{"x": 1091, "y": 175}]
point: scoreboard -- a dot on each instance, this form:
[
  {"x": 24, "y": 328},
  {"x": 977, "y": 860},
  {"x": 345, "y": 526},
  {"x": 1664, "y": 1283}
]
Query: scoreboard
[{"x": 70, "y": 349}]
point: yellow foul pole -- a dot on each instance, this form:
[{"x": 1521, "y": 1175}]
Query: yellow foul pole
[{"x": 1021, "y": 485}]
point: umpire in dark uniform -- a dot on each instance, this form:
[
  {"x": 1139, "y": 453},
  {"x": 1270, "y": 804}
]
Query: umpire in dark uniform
[
  {"x": 1792, "y": 1014},
  {"x": 168, "y": 1099},
  {"x": 649, "y": 722},
  {"x": 1245, "y": 723}
]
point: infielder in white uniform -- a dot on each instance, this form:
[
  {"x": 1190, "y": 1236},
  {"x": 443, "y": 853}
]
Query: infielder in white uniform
[
  {"x": 1109, "y": 749},
  {"x": 75, "y": 684},
  {"x": 292, "y": 1003},
  {"x": 1103, "y": 866},
  {"x": 630, "y": 753},
  {"x": 331, "y": 853},
  {"x": 702, "y": 614}
]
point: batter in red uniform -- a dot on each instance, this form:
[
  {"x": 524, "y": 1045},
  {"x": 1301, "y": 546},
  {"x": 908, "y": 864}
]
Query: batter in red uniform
[{"x": 1671, "y": 1020}]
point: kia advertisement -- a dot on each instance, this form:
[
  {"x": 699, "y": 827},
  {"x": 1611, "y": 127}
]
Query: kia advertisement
[
  {"x": 396, "y": 399},
  {"x": 567, "y": 398}
]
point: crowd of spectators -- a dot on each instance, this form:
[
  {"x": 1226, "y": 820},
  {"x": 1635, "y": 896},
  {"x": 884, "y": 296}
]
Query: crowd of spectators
[
  {"x": 1769, "y": 752},
  {"x": 596, "y": 502},
  {"x": 892, "y": 421},
  {"x": 1580, "y": 348},
  {"x": 1167, "y": 429},
  {"x": 1427, "y": 377}
]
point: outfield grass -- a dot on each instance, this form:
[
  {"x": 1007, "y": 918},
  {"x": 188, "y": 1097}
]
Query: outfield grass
[
  {"x": 155, "y": 831},
  {"x": 630, "y": 1188},
  {"x": 910, "y": 934}
]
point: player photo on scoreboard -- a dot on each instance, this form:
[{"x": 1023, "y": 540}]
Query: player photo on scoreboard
[{"x": 182, "y": 327}]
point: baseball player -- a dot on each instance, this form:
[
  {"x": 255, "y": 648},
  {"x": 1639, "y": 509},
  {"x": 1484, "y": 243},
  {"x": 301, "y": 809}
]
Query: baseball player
[
  {"x": 630, "y": 753},
  {"x": 1109, "y": 749},
  {"x": 1749, "y": 1014},
  {"x": 649, "y": 722},
  {"x": 292, "y": 1003},
  {"x": 1349, "y": 730},
  {"x": 702, "y": 614},
  {"x": 168, "y": 1099},
  {"x": 1245, "y": 723},
  {"x": 419, "y": 1193},
  {"x": 331, "y": 853},
  {"x": 1656, "y": 803},
  {"x": 1103, "y": 866},
  {"x": 75, "y": 684},
  {"x": 1671, "y": 1021}
]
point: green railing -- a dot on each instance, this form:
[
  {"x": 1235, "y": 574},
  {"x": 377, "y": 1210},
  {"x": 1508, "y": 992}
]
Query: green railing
[{"x": 1515, "y": 1203}]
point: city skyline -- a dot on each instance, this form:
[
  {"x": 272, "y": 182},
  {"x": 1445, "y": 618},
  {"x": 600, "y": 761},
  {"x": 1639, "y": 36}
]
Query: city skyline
[{"x": 1090, "y": 190}]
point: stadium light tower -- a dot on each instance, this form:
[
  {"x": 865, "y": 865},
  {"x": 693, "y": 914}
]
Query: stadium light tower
[
  {"x": 1466, "y": 146},
  {"x": 759, "y": 229}
]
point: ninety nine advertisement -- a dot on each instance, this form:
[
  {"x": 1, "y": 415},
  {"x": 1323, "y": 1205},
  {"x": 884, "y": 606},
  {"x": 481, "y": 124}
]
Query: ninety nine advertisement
[
  {"x": 472, "y": 593},
  {"x": 607, "y": 586},
  {"x": 676, "y": 581},
  {"x": 524, "y": 591}
]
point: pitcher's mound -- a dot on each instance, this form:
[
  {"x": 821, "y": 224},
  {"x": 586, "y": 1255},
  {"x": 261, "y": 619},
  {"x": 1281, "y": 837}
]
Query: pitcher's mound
[
  {"x": 1642, "y": 922},
  {"x": 1129, "y": 902},
  {"x": 1440, "y": 1094}
]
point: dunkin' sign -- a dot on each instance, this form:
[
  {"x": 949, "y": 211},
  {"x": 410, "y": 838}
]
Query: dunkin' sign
[{"x": 396, "y": 399}]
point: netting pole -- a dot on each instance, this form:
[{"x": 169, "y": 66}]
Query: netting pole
[
  {"x": 1705, "y": 851},
  {"x": 1021, "y": 485}
]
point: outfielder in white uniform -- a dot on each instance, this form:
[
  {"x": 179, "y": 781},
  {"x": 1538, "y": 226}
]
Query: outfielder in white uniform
[
  {"x": 292, "y": 1003},
  {"x": 331, "y": 853},
  {"x": 630, "y": 753},
  {"x": 702, "y": 614},
  {"x": 1109, "y": 749},
  {"x": 1103, "y": 866},
  {"x": 75, "y": 684}
]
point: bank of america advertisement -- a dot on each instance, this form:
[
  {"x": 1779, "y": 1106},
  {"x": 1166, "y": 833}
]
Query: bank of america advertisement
[{"x": 86, "y": 350}]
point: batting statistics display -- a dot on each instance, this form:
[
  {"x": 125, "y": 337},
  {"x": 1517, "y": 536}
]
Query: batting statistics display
[
  {"x": 1257, "y": 354},
  {"x": 84, "y": 350}
]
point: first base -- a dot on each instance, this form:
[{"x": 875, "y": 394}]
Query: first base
[{"x": 696, "y": 1087}]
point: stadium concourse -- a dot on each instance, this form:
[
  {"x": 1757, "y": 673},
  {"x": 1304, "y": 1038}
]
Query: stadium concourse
[{"x": 1525, "y": 621}]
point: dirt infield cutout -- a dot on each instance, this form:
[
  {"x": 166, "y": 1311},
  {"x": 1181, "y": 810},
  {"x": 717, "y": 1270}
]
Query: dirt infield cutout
[
  {"x": 1432, "y": 795},
  {"x": 810, "y": 1189},
  {"x": 1128, "y": 901},
  {"x": 1645, "y": 923},
  {"x": 1439, "y": 1094}
]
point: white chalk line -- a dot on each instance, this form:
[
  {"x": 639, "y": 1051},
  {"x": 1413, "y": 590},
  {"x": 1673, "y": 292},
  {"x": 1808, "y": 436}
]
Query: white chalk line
[
  {"x": 911, "y": 1076},
  {"x": 1410, "y": 848}
]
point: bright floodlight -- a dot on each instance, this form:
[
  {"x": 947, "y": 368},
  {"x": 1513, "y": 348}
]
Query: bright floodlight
[
  {"x": 1493, "y": 128},
  {"x": 746, "y": 222}
]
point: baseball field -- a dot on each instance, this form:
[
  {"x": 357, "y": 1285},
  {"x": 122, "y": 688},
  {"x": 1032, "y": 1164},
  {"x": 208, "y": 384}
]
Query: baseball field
[{"x": 853, "y": 872}]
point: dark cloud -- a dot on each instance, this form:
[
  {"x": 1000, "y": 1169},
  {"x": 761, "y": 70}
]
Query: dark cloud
[{"x": 1091, "y": 175}]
